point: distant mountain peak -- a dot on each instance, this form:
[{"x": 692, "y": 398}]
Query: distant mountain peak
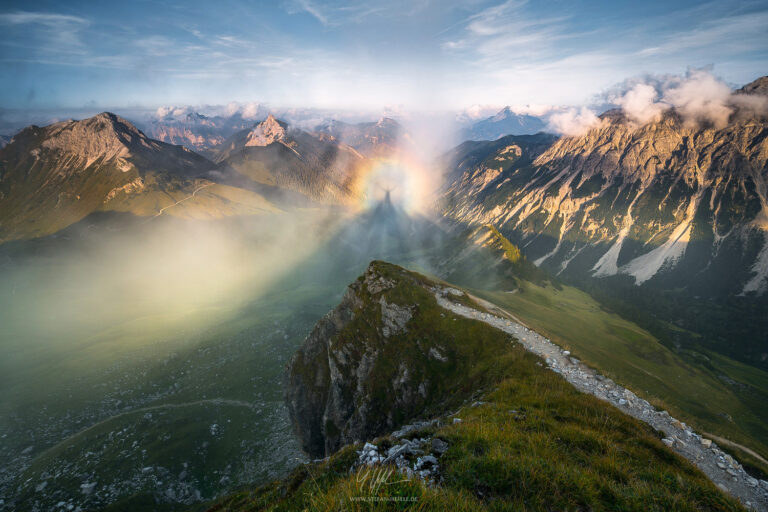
[
  {"x": 759, "y": 86},
  {"x": 268, "y": 131},
  {"x": 387, "y": 122},
  {"x": 105, "y": 135},
  {"x": 505, "y": 122}
]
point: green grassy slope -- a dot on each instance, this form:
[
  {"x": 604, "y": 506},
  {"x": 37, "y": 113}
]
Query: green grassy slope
[
  {"x": 632, "y": 356},
  {"x": 535, "y": 444}
]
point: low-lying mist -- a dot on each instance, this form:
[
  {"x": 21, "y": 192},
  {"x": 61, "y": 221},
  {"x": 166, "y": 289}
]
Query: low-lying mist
[{"x": 95, "y": 292}]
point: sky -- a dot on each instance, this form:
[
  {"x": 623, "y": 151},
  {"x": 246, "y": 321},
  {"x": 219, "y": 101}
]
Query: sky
[{"x": 415, "y": 54}]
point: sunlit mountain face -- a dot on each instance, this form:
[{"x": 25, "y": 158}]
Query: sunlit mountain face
[{"x": 409, "y": 228}]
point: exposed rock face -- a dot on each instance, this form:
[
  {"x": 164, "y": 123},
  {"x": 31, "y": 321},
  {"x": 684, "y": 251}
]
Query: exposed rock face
[
  {"x": 385, "y": 355},
  {"x": 269, "y": 131},
  {"x": 667, "y": 201},
  {"x": 375, "y": 139},
  {"x": 198, "y": 132},
  {"x": 277, "y": 155},
  {"x": 53, "y": 176}
]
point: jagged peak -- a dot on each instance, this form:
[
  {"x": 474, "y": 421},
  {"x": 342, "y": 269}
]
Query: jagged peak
[
  {"x": 104, "y": 135},
  {"x": 503, "y": 113},
  {"x": 268, "y": 131},
  {"x": 108, "y": 120}
]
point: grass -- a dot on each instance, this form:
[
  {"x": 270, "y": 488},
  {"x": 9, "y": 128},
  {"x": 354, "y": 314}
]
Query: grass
[
  {"x": 632, "y": 356},
  {"x": 536, "y": 444}
]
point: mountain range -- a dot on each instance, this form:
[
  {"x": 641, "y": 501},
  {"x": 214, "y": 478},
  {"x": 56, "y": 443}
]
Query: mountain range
[
  {"x": 664, "y": 224},
  {"x": 673, "y": 209},
  {"x": 276, "y": 155},
  {"x": 380, "y": 138},
  {"x": 504, "y": 122},
  {"x": 54, "y": 176},
  {"x": 668, "y": 201},
  {"x": 198, "y": 132}
]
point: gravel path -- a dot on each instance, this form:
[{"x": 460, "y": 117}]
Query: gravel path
[{"x": 720, "y": 467}]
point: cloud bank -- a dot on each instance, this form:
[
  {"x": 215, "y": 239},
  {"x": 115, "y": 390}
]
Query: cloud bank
[{"x": 699, "y": 97}]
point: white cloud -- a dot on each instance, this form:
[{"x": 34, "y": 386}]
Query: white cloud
[
  {"x": 641, "y": 104},
  {"x": 41, "y": 18},
  {"x": 698, "y": 96},
  {"x": 701, "y": 97},
  {"x": 573, "y": 121}
]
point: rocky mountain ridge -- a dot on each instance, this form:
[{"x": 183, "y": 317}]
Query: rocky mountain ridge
[
  {"x": 343, "y": 365},
  {"x": 352, "y": 379},
  {"x": 54, "y": 176},
  {"x": 277, "y": 155},
  {"x": 198, "y": 132},
  {"x": 668, "y": 201},
  {"x": 381, "y": 138},
  {"x": 504, "y": 122}
]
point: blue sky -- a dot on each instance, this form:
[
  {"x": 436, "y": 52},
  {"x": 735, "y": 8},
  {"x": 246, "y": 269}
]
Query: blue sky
[{"x": 416, "y": 54}]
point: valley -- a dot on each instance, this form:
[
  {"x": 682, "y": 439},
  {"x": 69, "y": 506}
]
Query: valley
[{"x": 154, "y": 299}]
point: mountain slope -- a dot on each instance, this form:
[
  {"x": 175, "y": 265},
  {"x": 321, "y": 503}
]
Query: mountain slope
[
  {"x": 276, "y": 155},
  {"x": 668, "y": 200},
  {"x": 505, "y": 122},
  {"x": 51, "y": 177},
  {"x": 531, "y": 442},
  {"x": 198, "y": 132},
  {"x": 374, "y": 139},
  {"x": 674, "y": 206}
]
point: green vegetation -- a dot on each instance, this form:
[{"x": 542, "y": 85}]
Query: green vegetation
[
  {"x": 436, "y": 362},
  {"x": 535, "y": 444},
  {"x": 697, "y": 394}
]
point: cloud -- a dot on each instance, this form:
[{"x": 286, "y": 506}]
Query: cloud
[
  {"x": 171, "y": 112},
  {"x": 573, "y": 121},
  {"x": 335, "y": 14},
  {"x": 250, "y": 111},
  {"x": 641, "y": 104},
  {"x": 699, "y": 97},
  {"x": 310, "y": 8},
  {"x": 40, "y": 18},
  {"x": 504, "y": 33},
  {"x": 60, "y": 32}
]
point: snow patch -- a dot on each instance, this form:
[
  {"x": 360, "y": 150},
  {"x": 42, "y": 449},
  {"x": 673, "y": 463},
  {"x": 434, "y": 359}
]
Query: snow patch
[{"x": 759, "y": 282}]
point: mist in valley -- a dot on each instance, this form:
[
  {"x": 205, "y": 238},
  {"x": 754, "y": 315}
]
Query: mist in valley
[{"x": 119, "y": 329}]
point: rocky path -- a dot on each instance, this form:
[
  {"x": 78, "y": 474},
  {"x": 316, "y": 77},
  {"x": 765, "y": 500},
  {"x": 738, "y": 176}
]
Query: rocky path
[
  {"x": 198, "y": 189},
  {"x": 720, "y": 467}
]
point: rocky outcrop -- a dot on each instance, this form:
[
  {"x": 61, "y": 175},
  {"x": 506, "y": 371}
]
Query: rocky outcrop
[
  {"x": 267, "y": 132},
  {"x": 385, "y": 355}
]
